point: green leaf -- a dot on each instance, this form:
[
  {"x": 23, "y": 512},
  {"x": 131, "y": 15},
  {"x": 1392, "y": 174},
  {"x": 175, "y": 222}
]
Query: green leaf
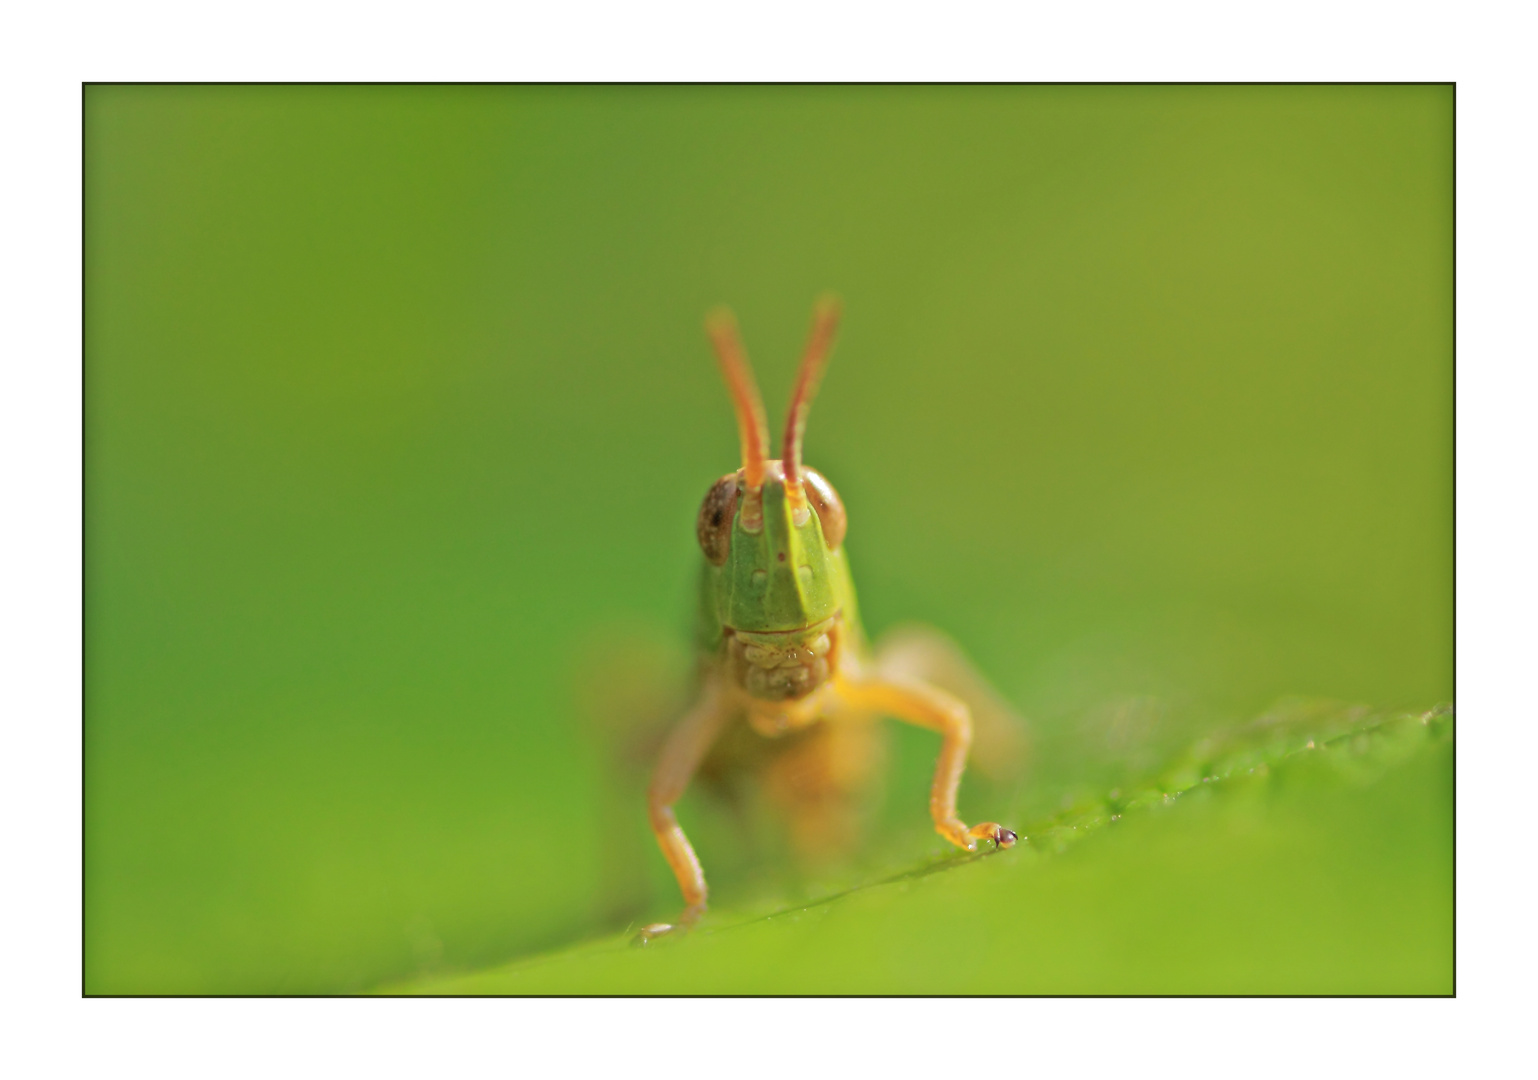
[{"x": 1306, "y": 853}]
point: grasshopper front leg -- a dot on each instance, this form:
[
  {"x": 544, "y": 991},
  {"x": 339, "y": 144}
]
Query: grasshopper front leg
[
  {"x": 918, "y": 703},
  {"x": 681, "y": 756},
  {"x": 919, "y": 653}
]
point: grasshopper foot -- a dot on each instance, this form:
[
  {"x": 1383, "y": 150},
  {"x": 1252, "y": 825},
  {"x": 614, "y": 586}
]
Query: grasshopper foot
[
  {"x": 965, "y": 838},
  {"x": 656, "y": 930},
  {"x": 652, "y": 932}
]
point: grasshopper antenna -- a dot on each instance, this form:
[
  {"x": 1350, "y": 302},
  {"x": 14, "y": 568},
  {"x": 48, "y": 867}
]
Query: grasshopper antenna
[
  {"x": 752, "y": 427},
  {"x": 819, "y": 346}
]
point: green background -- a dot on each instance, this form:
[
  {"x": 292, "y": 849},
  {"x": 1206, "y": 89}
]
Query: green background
[{"x": 398, "y": 413}]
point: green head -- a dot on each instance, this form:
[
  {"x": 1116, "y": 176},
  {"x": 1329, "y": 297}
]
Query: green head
[{"x": 773, "y": 531}]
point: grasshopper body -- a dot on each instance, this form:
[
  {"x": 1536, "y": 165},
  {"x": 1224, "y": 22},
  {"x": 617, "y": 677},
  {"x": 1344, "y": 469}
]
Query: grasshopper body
[{"x": 779, "y": 632}]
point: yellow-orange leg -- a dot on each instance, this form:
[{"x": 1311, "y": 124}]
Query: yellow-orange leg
[
  {"x": 921, "y": 704},
  {"x": 681, "y": 756},
  {"x": 915, "y": 652}
]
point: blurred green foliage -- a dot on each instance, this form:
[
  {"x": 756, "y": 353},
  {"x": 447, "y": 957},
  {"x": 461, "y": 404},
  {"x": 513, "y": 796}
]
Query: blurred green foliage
[{"x": 398, "y": 405}]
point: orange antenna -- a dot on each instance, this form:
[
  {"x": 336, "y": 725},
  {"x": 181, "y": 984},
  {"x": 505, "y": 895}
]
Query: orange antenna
[
  {"x": 819, "y": 346},
  {"x": 721, "y": 325}
]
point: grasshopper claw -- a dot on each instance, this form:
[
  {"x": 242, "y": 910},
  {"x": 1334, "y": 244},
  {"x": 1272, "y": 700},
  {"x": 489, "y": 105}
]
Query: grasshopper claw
[
  {"x": 1001, "y": 837},
  {"x": 966, "y": 839}
]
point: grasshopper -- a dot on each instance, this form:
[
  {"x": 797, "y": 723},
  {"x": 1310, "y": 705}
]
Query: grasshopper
[{"x": 779, "y": 637}]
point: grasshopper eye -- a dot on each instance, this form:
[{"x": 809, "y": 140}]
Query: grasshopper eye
[
  {"x": 829, "y": 508},
  {"x": 714, "y": 526}
]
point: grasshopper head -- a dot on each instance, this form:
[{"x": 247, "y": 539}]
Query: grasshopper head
[
  {"x": 773, "y": 529},
  {"x": 777, "y": 565}
]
